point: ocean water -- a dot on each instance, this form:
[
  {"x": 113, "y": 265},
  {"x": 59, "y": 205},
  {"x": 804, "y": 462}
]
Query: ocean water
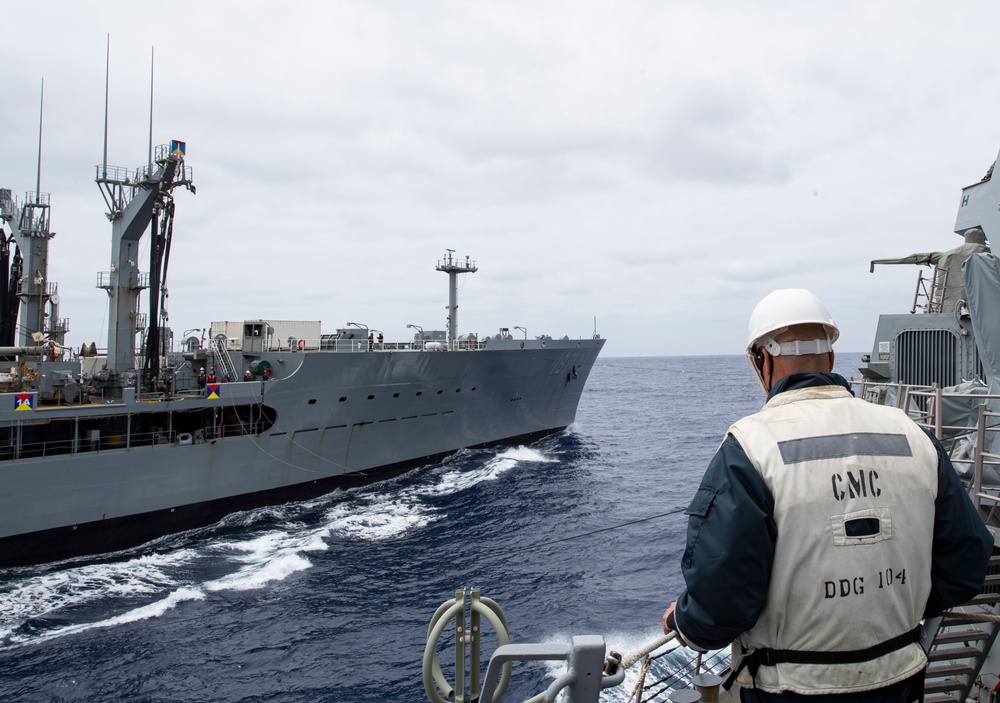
[{"x": 330, "y": 599}]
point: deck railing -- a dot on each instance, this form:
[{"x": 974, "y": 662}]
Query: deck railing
[
  {"x": 14, "y": 449},
  {"x": 924, "y": 404},
  {"x": 12, "y": 446},
  {"x": 362, "y": 345}
]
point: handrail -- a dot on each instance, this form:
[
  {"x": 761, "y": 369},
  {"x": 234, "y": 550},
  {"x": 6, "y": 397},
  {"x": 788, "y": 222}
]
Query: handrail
[
  {"x": 930, "y": 417},
  {"x": 977, "y": 474},
  {"x": 360, "y": 344}
]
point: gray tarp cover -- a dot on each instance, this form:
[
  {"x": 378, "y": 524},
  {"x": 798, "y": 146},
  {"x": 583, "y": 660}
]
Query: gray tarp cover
[{"x": 982, "y": 282}]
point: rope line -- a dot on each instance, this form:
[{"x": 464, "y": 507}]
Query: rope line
[
  {"x": 640, "y": 682},
  {"x": 635, "y": 656}
]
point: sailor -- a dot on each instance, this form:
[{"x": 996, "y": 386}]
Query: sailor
[
  {"x": 824, "y": 530},
  {"x": 371, "y": 341},
  {"x": 201, "y": 378},
  {"x": 381, "y": 340},
  {"x": 247, "y": 376},
  {"x": 267, "y": 374},
  {"x": 211, "y": 374}
]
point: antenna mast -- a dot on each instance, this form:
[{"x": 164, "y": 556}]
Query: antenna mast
[
  {"x": 453, "y": 266},
  {"x": 32, "y": 234},
  {"x": 38, "y": 176},
  {"x": 107, "y": 84},
  {"x": 152, "y": 52}
]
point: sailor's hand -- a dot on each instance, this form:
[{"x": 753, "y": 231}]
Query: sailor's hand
[{"x": 668, "y": 618}]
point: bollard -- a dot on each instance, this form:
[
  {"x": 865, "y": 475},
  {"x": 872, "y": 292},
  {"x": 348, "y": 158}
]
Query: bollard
[
  {"x": 685, "y": 695},
  {"x": 708, "y": 686}
]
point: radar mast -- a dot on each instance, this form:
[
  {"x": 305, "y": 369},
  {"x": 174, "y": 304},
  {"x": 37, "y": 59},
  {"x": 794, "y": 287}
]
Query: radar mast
[{"x": 453, "y": 266}]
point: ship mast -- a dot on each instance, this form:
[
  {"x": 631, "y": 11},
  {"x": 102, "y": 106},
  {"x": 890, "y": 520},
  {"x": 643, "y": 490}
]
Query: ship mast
[
  {"x": 453, "y": 266},
  {"x": 137, "y": 199},
  {"x": 31, "y": 233}
]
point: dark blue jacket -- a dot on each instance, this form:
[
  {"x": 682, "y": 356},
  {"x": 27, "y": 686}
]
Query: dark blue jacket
[{"x": 732, "y": 533}]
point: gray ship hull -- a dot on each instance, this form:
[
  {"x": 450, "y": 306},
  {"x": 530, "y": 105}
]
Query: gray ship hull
[{"x": 83, "y": 479}]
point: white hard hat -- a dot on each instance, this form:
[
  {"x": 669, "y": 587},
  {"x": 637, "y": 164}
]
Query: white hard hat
[
  {"x": 775, "y": 314},
  {"x": 785, "y": 308}
]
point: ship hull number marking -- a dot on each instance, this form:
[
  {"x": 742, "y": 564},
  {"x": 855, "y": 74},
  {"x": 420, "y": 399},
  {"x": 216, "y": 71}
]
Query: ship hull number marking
[{"x": 843, "y": 588}]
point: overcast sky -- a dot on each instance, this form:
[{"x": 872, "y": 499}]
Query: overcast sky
[{"x": 659, "y": 165}]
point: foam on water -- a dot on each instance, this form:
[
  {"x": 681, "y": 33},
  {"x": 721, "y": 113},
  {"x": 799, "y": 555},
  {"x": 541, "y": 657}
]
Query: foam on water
[
  {"x": 458, "y": 480},
  {"x": 374, "y": 519},
  {"x": 63, "y": 595},
  {"x": 145, "y": 612},
  {"x": 270, "y": 557},
  {"x": 29, "y": 607},
  {"x": 49, "y": 592},
  {"x": 376, "y": 516}
]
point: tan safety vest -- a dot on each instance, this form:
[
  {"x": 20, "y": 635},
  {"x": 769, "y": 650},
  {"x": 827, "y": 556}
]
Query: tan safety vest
[{"x": 854, "y": 487}]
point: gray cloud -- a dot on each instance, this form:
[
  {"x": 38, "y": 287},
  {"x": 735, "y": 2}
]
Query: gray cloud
[{"x": 659, "y": 165}]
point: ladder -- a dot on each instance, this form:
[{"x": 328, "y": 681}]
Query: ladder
[
  {"x": 223, "y": 359},
  {"x": 961, "y": 642}
]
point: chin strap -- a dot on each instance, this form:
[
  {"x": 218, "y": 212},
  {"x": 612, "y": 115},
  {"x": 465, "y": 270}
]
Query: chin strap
[{"x": 798, "y": 347}]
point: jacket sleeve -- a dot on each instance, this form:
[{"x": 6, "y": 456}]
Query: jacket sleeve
[
  {"x": 962, "y": 544},
  {"x": 729, "y": 553}
]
